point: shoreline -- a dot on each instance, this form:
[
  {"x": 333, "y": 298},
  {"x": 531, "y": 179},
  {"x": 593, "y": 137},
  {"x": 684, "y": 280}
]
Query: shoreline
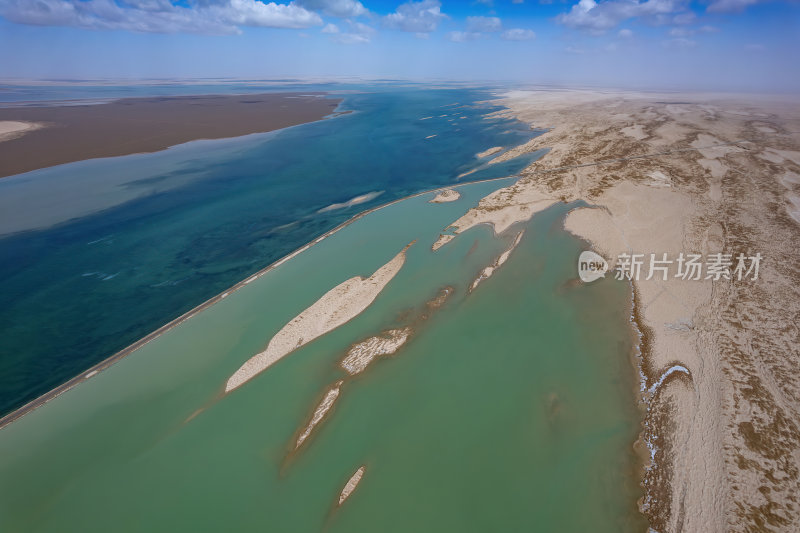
[
  {"x": 95, "y": 369},
  {"x": 719, "y": 362}
]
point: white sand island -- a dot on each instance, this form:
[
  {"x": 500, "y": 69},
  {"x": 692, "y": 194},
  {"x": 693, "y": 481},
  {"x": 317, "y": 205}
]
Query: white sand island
[
  {"x": 360, "y": 355},
  {"x": 446, "y": 195},
  {"x": 351, "y": 484}
]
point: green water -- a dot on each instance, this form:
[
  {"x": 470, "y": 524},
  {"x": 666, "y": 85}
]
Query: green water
[{"x": 511, "y": 409}]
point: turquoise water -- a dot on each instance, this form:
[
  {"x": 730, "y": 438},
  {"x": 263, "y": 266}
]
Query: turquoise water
[
  {"x": 511, "y": 409},
  {"x": 114, "y": 248}
]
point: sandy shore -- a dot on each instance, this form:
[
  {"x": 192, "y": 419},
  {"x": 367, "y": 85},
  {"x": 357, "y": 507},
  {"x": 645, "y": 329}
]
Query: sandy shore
[
  {"x": 720, "y": 360},
  {"x": 12, "y": 129},
  {"x": 136, "y": 125},
  {"x": 336, "y": 307}
]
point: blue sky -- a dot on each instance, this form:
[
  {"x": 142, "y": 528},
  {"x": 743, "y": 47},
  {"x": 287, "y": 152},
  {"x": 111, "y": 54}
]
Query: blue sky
[{"x": 674, "y": 44}]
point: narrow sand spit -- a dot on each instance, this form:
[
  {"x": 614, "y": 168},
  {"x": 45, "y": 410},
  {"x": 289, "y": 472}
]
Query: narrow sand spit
[
  {"x": 360, "y": 355},
  {"x": 11, "y": 129},
  {"x": 447, "y": 195},
  {"x": 442, "y": 240},
  {"x": 491, "y": 151},
  {"x": 319, "y": 413},
  {"x": 489, "y": 270},
  {"x": 336, "y": 307},
  {"x": 351, "y": 484},
  {"x": 719, "y": 360}
]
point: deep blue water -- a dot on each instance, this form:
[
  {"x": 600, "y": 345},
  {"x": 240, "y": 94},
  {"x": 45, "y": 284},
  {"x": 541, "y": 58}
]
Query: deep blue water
[{"x": 206, "y": 215}]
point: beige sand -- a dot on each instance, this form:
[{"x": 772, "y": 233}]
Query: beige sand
[
  {"x": 491, "y": 269},
  {"x": 319, "y": 413},
  {"x": 360, "y": 355},
  {"x": 502, "y": 208},
  {"x": 441, "y": 241},
  {"x": 336, "y": 307},
  {"x": 636, "y": 131},
  {"x": 720, "y": 360},
  {"x": 446, "y": 195},
  {"x": 491, "y": 151},
  {"x": 11, "y": 129},
  {"x": 351, "y": 484}
]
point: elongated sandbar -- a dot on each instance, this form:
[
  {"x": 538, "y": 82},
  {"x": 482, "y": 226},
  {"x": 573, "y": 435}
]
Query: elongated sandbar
[{"x": 336, "y": 307}]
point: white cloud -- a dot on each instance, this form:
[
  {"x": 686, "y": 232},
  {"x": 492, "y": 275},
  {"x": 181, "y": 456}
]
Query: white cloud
[
  {"x": 159, "y": 16},
  {"x": 681, "y": 43},
  {"x": 598, "y": 17},
  {"x": 729, "y": 6},
  {"x": 357, "y": 33},
  {"x": 271, "y": 15},
  {"x": 688, "y": 32},
  {"x": 416, "y": 17},
  {"x": 684, "y": 18},
  {"x": 681, "y": 32},
  {"x": 484, "y": 24},
  {"x": 518, "y": 34},
  {"x": 330, "y": 28},
  {"x": 335, "y": 8},
  {"x": 625, "y": 33},
  {"x": 462, "y": 36}
]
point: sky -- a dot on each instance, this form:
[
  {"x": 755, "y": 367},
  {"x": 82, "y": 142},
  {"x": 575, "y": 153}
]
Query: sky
[{"x": 733, "y": 45}]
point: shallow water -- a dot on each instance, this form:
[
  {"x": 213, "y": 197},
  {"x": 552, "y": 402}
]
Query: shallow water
[
  {"x": 511, "y": 409},
  {"x": 117, "y": 247}
]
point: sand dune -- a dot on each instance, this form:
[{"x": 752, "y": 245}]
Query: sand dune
[{"x": 336, "y": 307}]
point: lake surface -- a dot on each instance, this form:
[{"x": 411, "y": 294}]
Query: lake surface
[
  {"x": 96, "y": 254},
  {"x": 512, "y": 408}
]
